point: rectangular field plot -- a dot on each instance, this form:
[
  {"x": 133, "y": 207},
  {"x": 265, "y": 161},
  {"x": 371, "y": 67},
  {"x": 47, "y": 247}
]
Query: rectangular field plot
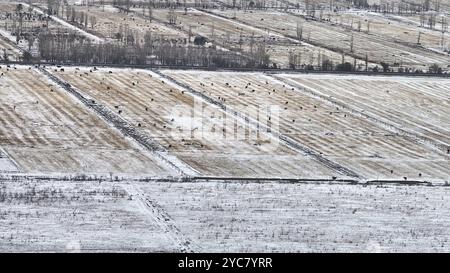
[
  {"x": 392, "y": 27},
  {"x": 418, "y": 105},
  {"x": 352, "y": 141},
  {"x": 280, "y": 217},
  {"x": 321, "y": 33},
  {"x": 205, "y": 138},
  {"x": 45, "y": 130},
  {"x": 111, "y": 23},
  {"x": 237, "y": 36},
  {"x": 67, "y": 216}
]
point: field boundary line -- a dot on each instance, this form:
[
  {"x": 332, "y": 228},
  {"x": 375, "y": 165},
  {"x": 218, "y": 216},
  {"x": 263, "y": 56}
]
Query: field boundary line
[
  {"x": 163, "y": 219},
  {"x": 418, "y": 139},
  {"x": 271, "y": 132},
  {"x": 11, "y": 160},
  {"x": 13, "y": 177},
  {"x": 124, "y": 127}
]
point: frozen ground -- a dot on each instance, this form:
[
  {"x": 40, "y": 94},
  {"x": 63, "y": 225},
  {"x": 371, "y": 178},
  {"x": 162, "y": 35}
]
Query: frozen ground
[
  {"x": 68, "y": 26},
  {"x": 334, "y": 130},
  {"x": 338, "y": 37},
  {"x": 204, "y": 137},
  {"x": 221, "y": 216},
  {"x": 44, "y": 129},
  {"x": 72, "y": 180}
]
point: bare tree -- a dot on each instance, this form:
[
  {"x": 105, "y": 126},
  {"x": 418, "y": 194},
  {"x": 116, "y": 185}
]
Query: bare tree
[{"x": 93, "y": 21}]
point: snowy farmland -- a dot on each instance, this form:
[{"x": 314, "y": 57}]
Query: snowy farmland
[
  {"x": 111, "y": 22},
  {"x": 43, "y": 129},
  {"x": 237, "y": 36},
  {"x": 213, "y": 216},
  {"x": 223, "y": 146},
  {"x": 224, "y": 126},
  {"x": 337, "y": 37},
  {"x": 368, "y": 147},
  {"x": 348, "y": 168}
]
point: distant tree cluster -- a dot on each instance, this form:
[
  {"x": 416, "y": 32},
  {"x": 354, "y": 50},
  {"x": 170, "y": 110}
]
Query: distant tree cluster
[{"x": 70, "y": 49}]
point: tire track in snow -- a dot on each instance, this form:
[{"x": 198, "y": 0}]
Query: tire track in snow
[
  {"x": 258, "y": 125},
  {"x": 164, "y": 221}
]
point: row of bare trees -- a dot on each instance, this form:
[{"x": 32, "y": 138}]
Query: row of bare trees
[{"x": 73, "y": 49}]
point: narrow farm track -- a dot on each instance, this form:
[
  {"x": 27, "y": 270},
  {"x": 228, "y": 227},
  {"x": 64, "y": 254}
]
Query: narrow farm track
[
  {"x": 284, "y": 138},
  {"x": 124, "y": 127},
  {"x": 162, "y": 219},
  {"x": 369, "y": 116}
]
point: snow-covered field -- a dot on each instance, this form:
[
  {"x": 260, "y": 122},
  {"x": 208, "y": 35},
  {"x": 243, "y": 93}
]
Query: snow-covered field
[
  {"x": 367, "y": 146},
  {"x": 369, "y": 154},
  {"x": 403, "y": 29},
  {"x": 418, "y": 105},
  {"x": 110, "y": 22},
  {"x": 204, "y": 137},
  {"x": 43, "y": 129},
  {"x": 378, "y": 49},
  {"x": 221, "y": 216},
  {"x": 39, "y": 216},
  {"x": 235, "y": 35},
  {"x": 272, "y": 217}
]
